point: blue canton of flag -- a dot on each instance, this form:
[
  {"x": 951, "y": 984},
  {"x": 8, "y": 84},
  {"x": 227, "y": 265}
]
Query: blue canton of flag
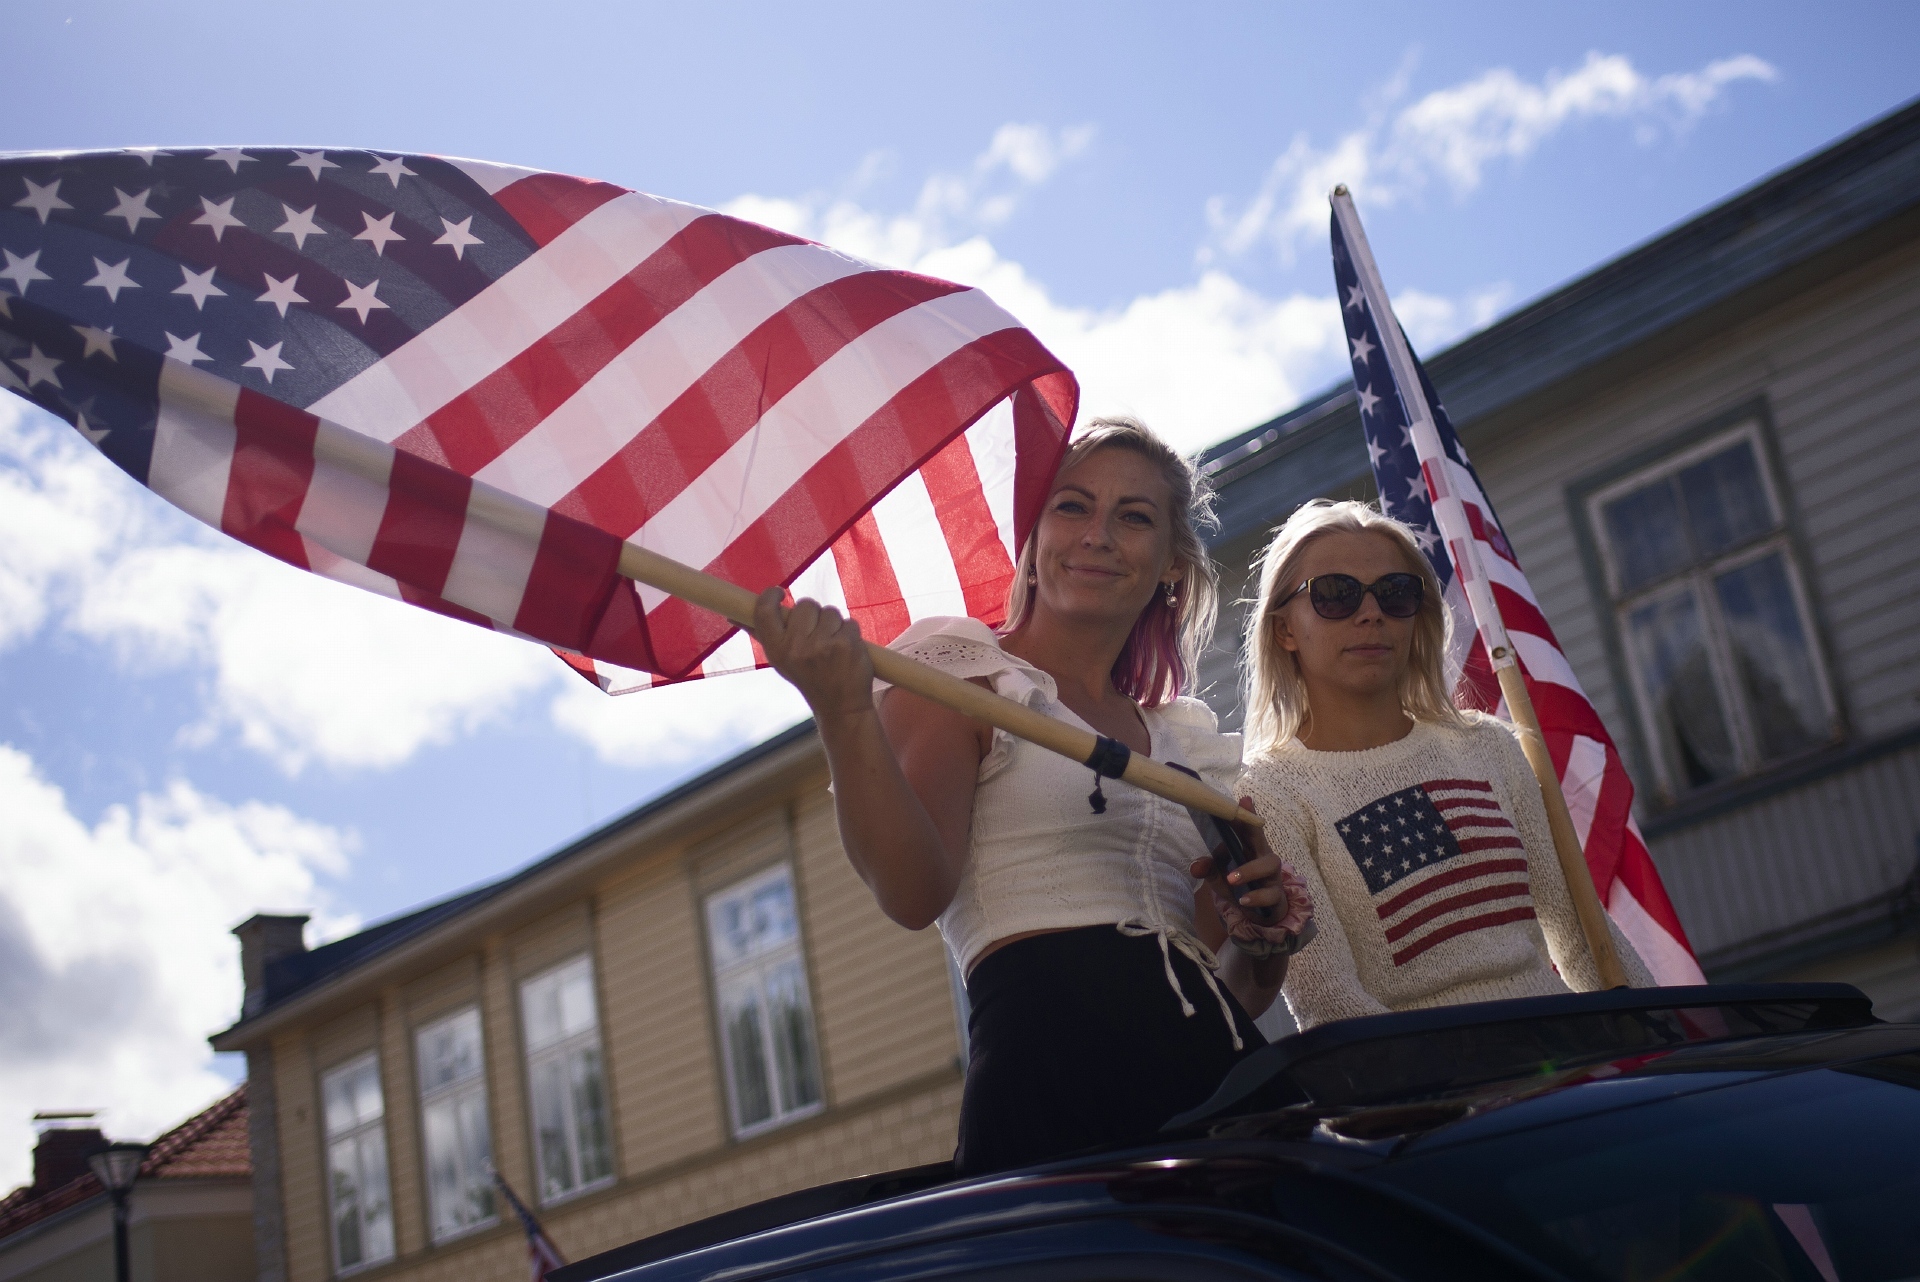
[
  {"x": 1395, "y": 836},
  {"x": 280, "y": 270}
]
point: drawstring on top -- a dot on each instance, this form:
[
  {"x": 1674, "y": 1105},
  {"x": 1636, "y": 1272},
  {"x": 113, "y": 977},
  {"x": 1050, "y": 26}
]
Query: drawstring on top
[{"x": 1194, "y": 951}]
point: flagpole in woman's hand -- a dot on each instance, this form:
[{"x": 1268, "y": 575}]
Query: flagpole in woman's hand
[{"x": 736, "y": 604}]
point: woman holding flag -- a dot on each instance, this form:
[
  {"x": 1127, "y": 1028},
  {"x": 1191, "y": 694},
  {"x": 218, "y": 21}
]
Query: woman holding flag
[
  {"x": 1085, "y": 926},
  {"x": 1419, "y": 828}
]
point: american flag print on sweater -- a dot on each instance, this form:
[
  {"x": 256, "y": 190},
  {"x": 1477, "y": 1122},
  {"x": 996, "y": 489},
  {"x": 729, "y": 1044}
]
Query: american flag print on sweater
[{"x": 1441, "y": 859}]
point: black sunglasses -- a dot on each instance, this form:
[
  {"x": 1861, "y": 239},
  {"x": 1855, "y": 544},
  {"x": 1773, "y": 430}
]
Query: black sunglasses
[{"x": 1337, "y": 596}]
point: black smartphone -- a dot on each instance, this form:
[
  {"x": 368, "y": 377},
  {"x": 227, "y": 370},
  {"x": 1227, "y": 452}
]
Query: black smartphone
[{"x": 1230, "y": 849}]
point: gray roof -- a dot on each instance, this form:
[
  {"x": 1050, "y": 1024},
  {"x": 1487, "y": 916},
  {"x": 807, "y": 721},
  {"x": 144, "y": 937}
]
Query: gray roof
[{"x": 1779, "y": 235}]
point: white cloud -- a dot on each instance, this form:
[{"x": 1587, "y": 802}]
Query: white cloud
[
  {"x": 679, "y": 725},
  {"x": 1454, "y": 134},
  {"x": 115, "y": 957}
]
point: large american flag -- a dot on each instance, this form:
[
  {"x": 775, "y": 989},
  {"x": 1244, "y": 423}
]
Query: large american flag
[
  {"x": 1441, "y": 860},
  {"x": 463, "y": 384},
  {"x": 1593, "y": 777}
]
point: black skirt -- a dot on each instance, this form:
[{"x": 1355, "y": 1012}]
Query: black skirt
[{"x": 1078, "y": 1041}]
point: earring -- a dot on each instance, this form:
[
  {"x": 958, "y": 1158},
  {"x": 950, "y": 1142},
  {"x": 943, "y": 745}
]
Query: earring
[
  {"x": 1033, "y": 577},
  {"x": 1167, "y": 587}
]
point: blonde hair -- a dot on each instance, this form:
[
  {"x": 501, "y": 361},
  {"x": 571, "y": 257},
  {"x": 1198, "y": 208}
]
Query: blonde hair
[
  {"x": 1162, "y": 652},
  {"x": 1275, "y": 692}
]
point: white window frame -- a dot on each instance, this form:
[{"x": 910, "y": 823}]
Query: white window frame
[
  {"x": 365, "y": 1131},
  {"x": 569, "y": 1047},
  {"x": 1696, "y": 580},
  {"x": 754, "y": 970},
  {"x": 470, "y": 1091}
]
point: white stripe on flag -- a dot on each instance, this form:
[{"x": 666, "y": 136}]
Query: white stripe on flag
[
  {"x": 492, "y": 178},
  {"x": 499, "y": 542},
  {"x": 915, "y": 543},
  {"x": 995, "y": 457},
  {"x": 193, "y": 441},
  {"x": 1581, "y": 782},
  {"x": 1670, "y": 963},
  {"x": 1543, "y": 659},
  {"x": 843, "y": 392},
  {"x": 505, "y": 318},
  {"x": 632, "y": 390}
]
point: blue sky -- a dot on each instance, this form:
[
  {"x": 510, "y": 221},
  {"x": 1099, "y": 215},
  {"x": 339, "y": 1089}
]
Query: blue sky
[{"x": 189, "y": 732}]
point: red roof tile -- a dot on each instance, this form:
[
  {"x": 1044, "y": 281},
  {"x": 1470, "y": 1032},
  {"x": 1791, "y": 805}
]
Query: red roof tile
[{"x": 210, "y": 1145}]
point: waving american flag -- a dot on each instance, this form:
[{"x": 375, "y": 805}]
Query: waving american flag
[
  {"x": 1593, "y": 778},
  {"x": 463, "y": 385}
]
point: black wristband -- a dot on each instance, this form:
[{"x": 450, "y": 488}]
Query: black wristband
[{"x": 1109, "y": 758}]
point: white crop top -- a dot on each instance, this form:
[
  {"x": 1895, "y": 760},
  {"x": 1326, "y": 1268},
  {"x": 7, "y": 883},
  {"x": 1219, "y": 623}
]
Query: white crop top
[{"x": 1039, "y": 858}]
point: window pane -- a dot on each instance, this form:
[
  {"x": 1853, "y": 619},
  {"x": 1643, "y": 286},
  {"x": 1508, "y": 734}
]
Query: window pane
[
  {"x": 550, "y": 1128},
  {"x": 350, "y": 1095},
  {"x": 458, "y": 1155},
  {"x": 792, "y": 1036},
  {"x": 747, "y": 1053},
  {"x": 1773, "y": 662},
  {"x": 450, "y": 1050},
  {"x": 540, "y": 1008},
  {"x": 1644, "y": 530},
  {"x": 1670, "y": 643},
  {"x": 750, "y": 921},
  {"x": 376, "y": 1213},
  {"x": 591, "y": 1139},
  {"x": 343, "y": 1173},
  {"x": 576, "y": 1000},
  {"x": 1726, "y": 500}
]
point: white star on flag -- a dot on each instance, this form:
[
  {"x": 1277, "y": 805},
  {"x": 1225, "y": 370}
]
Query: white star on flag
[
  {"x": 199, "y": 286},
  {"x": 380, "y": 231},
  {"x": 39, "y": 367},
  {"x": 1367, "y": 400},
  {"x": 42, "y": 200},
  {"x": 1361, "y": 350},
  {"x": 219, "y": 217},
  {"x": 232, "y": 158},
  {"x": 312, "y": 161},
  {"x": 361, "y": 299},
  {"x": 185, "y": 349},
  {"x": 1355, "y": 298},
  {"x": 98, "y": 340},
  {"x": 393, "y": 168},
  {"x": 300, "y": 225},
  {"x": 113, "y": 279},
  {"x": 22, "y": 271},
  {"x": 265, "y": 359},
  {"x": 132, "y": 208},
  {"x": 88, "y": 430},
  {"x": 280, "y": 293},
  {"x": 459, "y": 235}
]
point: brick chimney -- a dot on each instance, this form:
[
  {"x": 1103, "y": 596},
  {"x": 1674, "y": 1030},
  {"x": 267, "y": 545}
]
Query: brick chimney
[
  {"x": 263, "y": 940},
  {"x": 60, "y": 1156}
]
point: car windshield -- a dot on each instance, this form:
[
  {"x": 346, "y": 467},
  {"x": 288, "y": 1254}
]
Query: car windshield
[{"x": 1810, "y": 1177}]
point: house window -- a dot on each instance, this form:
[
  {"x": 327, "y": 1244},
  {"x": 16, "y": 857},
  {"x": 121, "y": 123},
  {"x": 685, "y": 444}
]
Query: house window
[
  {"x": 453, "y": 1116},
  {"x": 571, "y": 1131},
  {"x": 766, "y": 1016},
  {"x": 1713, "y": 614},
  {"x": 357, "y": 1193}
]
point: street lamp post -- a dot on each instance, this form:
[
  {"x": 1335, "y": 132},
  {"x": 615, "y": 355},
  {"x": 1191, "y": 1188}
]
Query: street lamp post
[{"x": 117, "y": 1166}]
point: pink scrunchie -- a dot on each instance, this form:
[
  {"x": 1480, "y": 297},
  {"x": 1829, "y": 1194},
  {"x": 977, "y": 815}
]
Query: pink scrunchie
[{"x": 1261, "y": 941}]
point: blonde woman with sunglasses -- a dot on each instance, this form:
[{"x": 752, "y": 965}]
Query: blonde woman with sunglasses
[{"x": 1418, "y": 827}]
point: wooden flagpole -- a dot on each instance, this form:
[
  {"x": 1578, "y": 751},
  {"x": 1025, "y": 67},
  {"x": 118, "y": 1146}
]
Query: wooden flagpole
[
  {"x": 733, "y": 602},
  {"x": 1450, "y": 514}
]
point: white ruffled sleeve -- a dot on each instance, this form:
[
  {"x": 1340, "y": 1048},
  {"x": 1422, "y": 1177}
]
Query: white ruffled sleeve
[
  {"x": 1199, "y": 744},
  {"x": 968, "y": 649}
]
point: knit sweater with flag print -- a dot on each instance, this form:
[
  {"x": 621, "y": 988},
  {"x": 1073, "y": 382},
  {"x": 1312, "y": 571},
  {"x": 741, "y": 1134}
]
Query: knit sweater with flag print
[{"x": 1433, "y": 874}]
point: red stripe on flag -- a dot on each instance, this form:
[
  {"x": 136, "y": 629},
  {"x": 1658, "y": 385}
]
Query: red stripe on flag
[
  {"x": 1453, "y": 876},
  {"x": 547, "y": 204},
  {"x": 1435, "y": 478},
  {"x": 420, "y": 528},
  {"x": 867, "y": 578},
  {"x": 1458, "y": 785},
  {"x": 1485, "y": 921},
  {"x": 268, "y": 479},
  {"x": 730, "y": 398},
  {"x": 1043, "y": 412},
  {"x": 1453, "y": 903},
  {"x": 896, "y": 439},
  {"x": 973, "y": 537},
  {"x": 476, "y": 427},
  {"x": 572, "y": 587},
  {"x": 1470, "y": 844}
]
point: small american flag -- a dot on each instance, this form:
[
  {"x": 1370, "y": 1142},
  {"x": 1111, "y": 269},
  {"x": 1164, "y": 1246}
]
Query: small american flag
[
  {"x": 1594, "y": 779},
  {"x": 542, "y": 1255},
  {"x": 463, "y": 384},
  {"x": 1440, "y": 859}
]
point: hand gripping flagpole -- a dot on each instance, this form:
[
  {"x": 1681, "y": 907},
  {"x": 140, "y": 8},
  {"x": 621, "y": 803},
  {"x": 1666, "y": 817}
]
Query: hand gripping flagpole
[
  {"x": 1450, "y": 514},
  {"x": 1103, "y": 755}
]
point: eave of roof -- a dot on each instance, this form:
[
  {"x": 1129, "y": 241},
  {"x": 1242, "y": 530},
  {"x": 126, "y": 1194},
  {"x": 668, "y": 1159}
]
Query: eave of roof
[
  {"x": 304, "y": 980},
  {"x": 1687, "y": 274}
]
